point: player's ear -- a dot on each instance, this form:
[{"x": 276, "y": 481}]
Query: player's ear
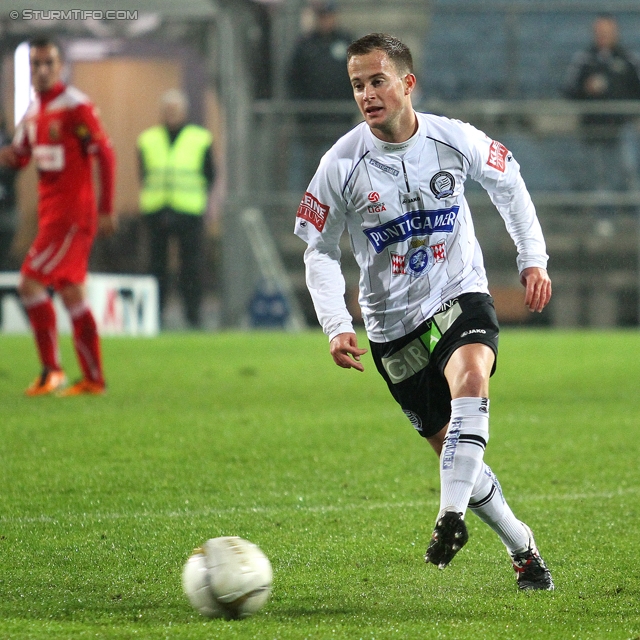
[{"x": 409, "y": 83}]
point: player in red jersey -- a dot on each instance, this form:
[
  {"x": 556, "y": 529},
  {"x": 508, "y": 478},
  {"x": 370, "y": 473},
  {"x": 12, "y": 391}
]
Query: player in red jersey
[{"x": 62, "y": 132}]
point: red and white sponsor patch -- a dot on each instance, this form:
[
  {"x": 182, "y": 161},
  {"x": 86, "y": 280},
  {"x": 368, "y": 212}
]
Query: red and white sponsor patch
[
  {"x": 438, "y": 252},
  {"x": 49, "y": 157},
  {"x": 374, "y": 196},
  {"x": 398, "y": 264},
  {"x": 497, "y": 154},
  {"x": 313, "y": 210}
]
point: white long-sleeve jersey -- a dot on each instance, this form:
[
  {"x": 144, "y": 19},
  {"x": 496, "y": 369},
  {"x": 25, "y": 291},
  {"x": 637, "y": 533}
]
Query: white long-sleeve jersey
[{"x": 409, "y": 223}]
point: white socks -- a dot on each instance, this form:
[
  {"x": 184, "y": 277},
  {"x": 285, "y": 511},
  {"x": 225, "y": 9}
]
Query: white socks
[
  {"x": 465, "y": 480},
  {"x": 488, "y": 503},
  {"x": 462, "y": 452}
]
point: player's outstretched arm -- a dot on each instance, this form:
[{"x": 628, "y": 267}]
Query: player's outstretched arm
[
  {"x": 345, "y": 352},
  {"x": 537, "y": 288}
]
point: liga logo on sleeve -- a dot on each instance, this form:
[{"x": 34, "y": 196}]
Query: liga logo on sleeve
[
  {"x": 312, "y": 210},
  {"x": 497, "y": 154}
]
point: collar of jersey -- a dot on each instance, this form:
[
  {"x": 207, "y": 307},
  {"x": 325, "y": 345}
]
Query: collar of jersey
[
  {"x": 396, "y": 148},
  {"x": 51, "y": 94}
]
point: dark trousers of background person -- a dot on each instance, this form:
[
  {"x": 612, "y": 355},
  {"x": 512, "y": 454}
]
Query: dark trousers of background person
[
  {"x": 8, "y": 224},
  {"x": 611, "y": 157},
  {"x": 188, "y": 230},
  {"x": 6, "y": 239}
]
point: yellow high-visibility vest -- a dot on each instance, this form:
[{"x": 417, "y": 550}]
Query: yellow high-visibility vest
[{"x": 173, "y": 172}]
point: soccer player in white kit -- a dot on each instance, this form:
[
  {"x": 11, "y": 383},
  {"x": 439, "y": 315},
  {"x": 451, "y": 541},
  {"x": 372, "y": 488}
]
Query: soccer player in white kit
[{"x": 396, "y": 182}]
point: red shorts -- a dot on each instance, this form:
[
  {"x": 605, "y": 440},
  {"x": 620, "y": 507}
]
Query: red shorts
[{"x": 59, "y": 256}]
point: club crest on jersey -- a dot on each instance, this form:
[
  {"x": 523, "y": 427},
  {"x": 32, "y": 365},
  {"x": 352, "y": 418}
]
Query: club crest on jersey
[
  {"x": 82, "y": 131},
  {"x": 497, "y": 154},
  {"x": 410, "y": 225},
  {"x": 312, "y": 210},
  {"x": 442, "y": 185},
  {"x": 419, "y": 260},
  {"x": 384, "y": 167},
  {"x": 54, "y": 130}
]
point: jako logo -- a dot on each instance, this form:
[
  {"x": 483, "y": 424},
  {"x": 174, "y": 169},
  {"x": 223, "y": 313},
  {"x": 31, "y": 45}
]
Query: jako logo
[
  {"x": 467, "y": 333},
  {"x": 410, "y": 200},
  {"x": 374, "y": 196}
]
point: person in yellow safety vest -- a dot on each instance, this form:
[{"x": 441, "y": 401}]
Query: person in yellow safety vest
[{"x": 177, "y": 172}]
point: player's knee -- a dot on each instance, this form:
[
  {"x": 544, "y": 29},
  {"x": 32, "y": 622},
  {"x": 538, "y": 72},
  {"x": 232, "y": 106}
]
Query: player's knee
[
  {"x": 472, "y": 383},
  {"x": 29, "y": 289},
  {"x": 23, "y": 290},
  {"x": 72, "y": 296}
]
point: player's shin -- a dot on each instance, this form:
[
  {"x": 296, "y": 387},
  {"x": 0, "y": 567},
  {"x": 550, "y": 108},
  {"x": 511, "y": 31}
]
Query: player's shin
[
  {"x": 42, "y": 317},
  {"x": 462, "y": 452},
  {"x": 87, "y": 342},
  {"x": 488, "y": 503}
]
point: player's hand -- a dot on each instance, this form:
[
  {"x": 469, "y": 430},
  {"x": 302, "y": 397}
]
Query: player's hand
[
  {"x": 537, "y": 288},
  {"x": 107, "y": 224},
  {"x": 345, "y": 352},
  {"x": 8, "y": 156}
]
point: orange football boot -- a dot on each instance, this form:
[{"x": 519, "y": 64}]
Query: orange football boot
[
  {"x": 83, "y": 388},
  {"x": 47, "y": 382}
]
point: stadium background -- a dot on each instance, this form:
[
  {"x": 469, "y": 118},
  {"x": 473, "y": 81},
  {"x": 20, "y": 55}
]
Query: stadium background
[
  {"x": 261, "y": 435},
  {"x": 499, "y": 65}
]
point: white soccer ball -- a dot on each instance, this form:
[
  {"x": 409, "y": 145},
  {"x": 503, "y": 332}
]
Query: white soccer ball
[{"x": 227, "y": 577}]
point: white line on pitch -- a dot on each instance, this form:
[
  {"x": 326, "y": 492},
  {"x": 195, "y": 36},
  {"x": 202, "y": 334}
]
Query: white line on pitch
[{"x": 300, "y": 507}]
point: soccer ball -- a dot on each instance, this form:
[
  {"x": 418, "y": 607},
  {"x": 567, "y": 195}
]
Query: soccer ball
[{"x": 227, "y": 577}]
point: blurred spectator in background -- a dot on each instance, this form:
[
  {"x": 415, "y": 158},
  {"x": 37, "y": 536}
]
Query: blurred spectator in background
[
  {"x": 177, "y": 172},
  {"x": 606, "y": 71},
  {"x": 259, "y": 48},
  {"x": 318, "y": 72},
  {"x": 8, "y": 210}
]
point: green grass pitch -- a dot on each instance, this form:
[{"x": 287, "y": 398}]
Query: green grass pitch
[{"x": 260, "y": 435}]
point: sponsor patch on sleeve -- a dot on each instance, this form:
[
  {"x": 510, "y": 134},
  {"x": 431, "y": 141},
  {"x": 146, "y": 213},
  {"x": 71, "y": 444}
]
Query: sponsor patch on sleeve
[
  {"x": 497, "y": 154},
  {"x": 313, "y": 210}
]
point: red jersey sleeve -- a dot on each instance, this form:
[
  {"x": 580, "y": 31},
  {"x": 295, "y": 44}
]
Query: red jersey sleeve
[{"x": 95, "y": 141}]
